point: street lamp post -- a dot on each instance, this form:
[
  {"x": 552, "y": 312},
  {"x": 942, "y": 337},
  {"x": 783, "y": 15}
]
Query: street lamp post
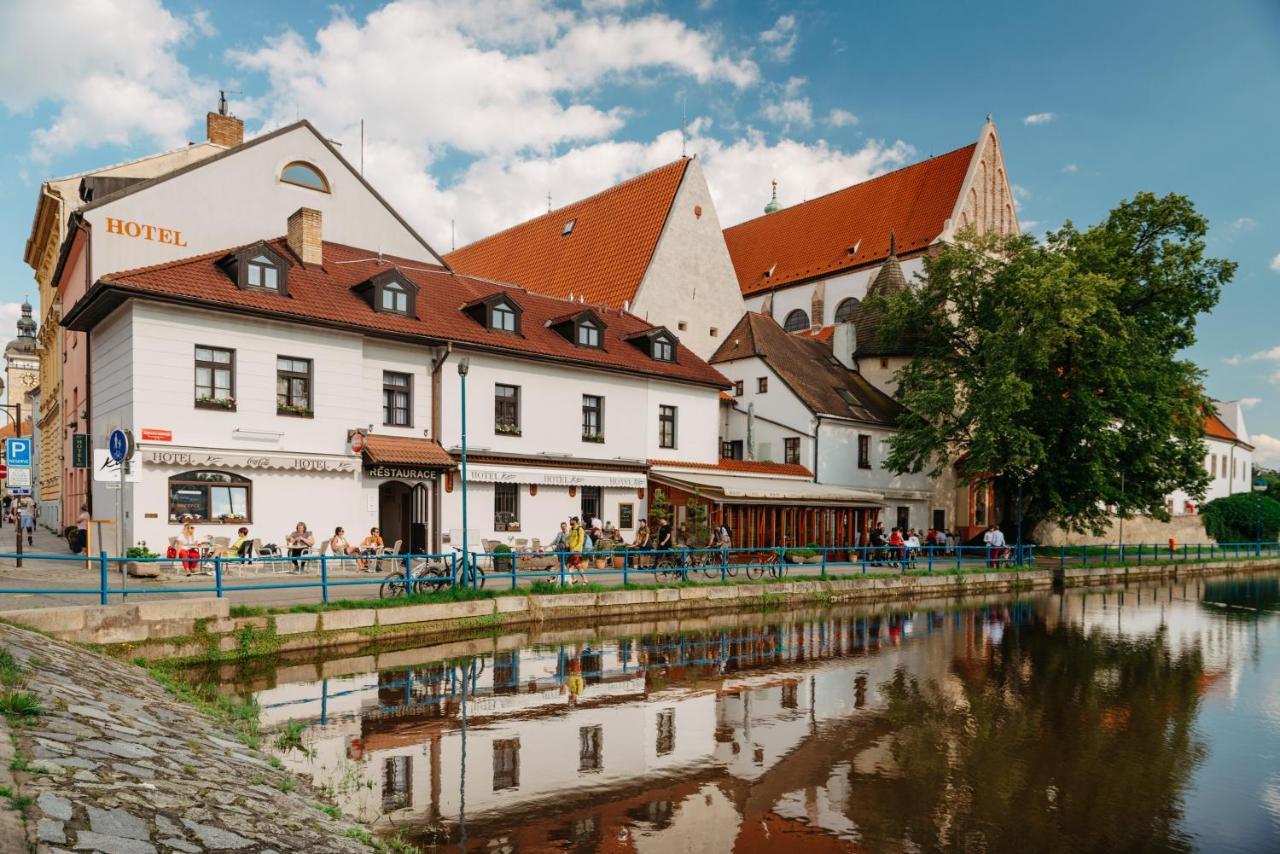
[
  {"x": 1259, "y": 487},
  {"x": 464, "y": 365}
]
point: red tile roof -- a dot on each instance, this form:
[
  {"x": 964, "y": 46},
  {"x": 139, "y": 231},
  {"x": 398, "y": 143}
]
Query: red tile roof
[
  {"x": 322, "y": 294},
  {"x": 740, "y": 467},
  {"x": 405, "y": 450},
  {"x": 1214, "y": 427},
  {"x": 603, "y": 259},
  {"x": 7, "y": 432},
  {"x": 814, "y": 238}
]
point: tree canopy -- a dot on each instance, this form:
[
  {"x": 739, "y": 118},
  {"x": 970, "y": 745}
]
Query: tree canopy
[{"x": 1057, "y": 363}]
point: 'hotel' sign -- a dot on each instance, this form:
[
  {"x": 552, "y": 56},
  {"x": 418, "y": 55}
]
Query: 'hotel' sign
[{"x": 129, "y": 228}]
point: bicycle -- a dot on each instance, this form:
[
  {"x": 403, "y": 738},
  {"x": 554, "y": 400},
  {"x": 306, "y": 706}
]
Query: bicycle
[
  {"x": 772, "y": 561},
  {"x": 423, "y": 576}
]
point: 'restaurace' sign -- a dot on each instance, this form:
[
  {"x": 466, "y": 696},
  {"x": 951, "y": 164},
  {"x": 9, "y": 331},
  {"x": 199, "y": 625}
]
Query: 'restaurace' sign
[{"x": 400, "y": 472}]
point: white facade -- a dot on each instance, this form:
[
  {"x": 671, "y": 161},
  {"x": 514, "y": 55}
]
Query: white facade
[
  {"x": 241, "y": 199},
  {"x": 1229, "y": 463},
  {"x": 835, "y": 290},
  {"x": 827, "y": 445},
  {"x": 299, "y": 468},
  {"x": 690, "y": 286}
]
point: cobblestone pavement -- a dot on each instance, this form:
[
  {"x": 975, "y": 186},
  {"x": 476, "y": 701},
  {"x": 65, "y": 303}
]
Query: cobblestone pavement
[{"x": 120, "y": 767}]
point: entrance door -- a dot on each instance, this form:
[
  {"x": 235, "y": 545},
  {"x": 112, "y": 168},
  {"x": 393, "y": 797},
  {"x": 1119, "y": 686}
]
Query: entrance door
[
  {"x": 939, "y": 520},
  {"x": 904, "y": 519},
  {"x": 592, "y": 505},
  {"x": 402, "y": 516}
]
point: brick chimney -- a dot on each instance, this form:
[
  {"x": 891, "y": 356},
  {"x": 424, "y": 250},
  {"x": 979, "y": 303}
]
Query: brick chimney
[
  {"x": 304, "y": 235},
  {"x": 224, "y": 130}
]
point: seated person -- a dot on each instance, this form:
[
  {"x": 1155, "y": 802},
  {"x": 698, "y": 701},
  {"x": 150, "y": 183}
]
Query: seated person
[
  {"x": 300, "y": 541},
  {"x": 370, "y": 546},
  {"x": 560, "y": 542},
  {"x": 341, "y": 545},
  {"x": 241, "y": 546}
]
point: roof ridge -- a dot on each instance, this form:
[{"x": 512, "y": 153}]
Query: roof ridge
[
  {"x": 683, "y": 162},
  {"x": 839, "y": 190}
]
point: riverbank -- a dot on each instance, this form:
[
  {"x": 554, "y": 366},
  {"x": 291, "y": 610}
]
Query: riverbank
[{"x": 105, "y": 759}]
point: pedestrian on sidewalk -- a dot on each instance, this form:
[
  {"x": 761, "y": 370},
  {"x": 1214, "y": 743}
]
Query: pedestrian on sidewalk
[
  {"x": 27, "y": 518},
  {"x": 82, "y": 530}
]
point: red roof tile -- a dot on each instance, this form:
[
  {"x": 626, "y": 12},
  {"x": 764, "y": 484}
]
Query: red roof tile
[
  {"x": 740, "y": 467},
  {"x": 603, "y": 259},
  {"x": 1214, "y": 427},
  {"x": 323, "y": 294},
  {"x": 405, "y": 450},
  {"x": 7, "y": 431},
  {"x": 814, "y": 238}
]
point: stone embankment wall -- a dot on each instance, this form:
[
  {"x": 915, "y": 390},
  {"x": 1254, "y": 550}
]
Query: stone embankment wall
[
  {"x": 1140, "y": 529},
  {"x": 115, "y": 764},
  {"x": 202, "y": 628}
]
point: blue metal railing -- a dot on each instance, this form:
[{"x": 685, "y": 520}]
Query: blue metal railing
[{"x": 398, "y": 575}]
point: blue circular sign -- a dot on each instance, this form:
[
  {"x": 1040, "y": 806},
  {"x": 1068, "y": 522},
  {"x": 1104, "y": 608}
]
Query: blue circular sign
[{"x": 118, "y": 445}]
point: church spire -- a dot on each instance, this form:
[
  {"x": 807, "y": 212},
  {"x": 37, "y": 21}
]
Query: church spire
[
  {"x": 26, "y": 325},
  {"x": 773, "y": 205}
]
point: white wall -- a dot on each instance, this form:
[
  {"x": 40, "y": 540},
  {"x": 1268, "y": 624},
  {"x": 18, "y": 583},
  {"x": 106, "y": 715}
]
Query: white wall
[
  {"x": 838, "y": 287},
  {"x": 838, "y": 464},
  {"x": 1232, "y": 468},
  {"x": 241, "y": 199},
  {"x": 690, "y": 278}
]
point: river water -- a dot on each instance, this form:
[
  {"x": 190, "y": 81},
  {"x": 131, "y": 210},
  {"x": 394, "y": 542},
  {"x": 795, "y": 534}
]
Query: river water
[{"x": 1142, "y": 719}]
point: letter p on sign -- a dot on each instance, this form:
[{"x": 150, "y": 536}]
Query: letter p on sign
[{"x": 17, "y": 452}]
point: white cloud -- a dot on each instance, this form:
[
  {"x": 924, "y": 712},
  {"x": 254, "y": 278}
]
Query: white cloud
[
  {"x": 1266, "y": 449},
  {"x": 1244, "y": 223},
  {"x": 483, "y": 78},
  {"x": 790, "y": 107},
  {"x": 1234, "y": 360},
  {"x": 1038, "y": 118},
  {"x": 110, "y": 69},
  {"x": 1071, "y": 168},
  {"x": 1250, "y": 402},
  {"x": 1029, "y": 225},
  {"x": 839, "y": 118},
  {"x": 1272, "y": 355},
  {"x": 1275, "y": 263},
  {"x": 781, "y": 38}
]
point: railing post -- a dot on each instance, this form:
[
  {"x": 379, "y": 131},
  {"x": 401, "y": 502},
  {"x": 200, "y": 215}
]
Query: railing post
[
  {"x": 561, "y": 554},
  {"x": 959, "y": 555},
  {"x": 824, "y": 562},
  {"x": 1062, "y": 558},
  {"x": 324, "y": 579},
  {"x": 514, "y": 560},
  {"x": 626, "y": 566},
  {"x": 724, "y": 564},
  {"x": 217, "y": 575},
  {"x": 453, "y": 567},
  {"x": 930, "y": 547},
  {"x": 102, "y": 577},
  {"x": 863, "y": 549},
  {"x": 1104, "y": 554},
  {"x": 1139, "y": 554}
]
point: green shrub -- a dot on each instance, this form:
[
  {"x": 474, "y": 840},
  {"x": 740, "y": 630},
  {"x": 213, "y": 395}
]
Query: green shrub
[
  {"x": 503, "y": 560},
  {"x": 19, "y": 705},
  {"x": 1234, "y": 519}
]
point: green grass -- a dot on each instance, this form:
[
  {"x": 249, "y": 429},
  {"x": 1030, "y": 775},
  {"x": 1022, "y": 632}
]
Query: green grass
[
  {"x": 19, "y": 705},
  {"x": 237, "y": 714},
  {"x": 449, "y": 594},
  {"x": 329, "y": 810},
  {"x": 290, "y": 738}
]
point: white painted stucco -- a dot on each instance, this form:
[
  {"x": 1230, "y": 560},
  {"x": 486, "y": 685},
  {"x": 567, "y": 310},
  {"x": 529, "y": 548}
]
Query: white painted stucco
[{"x": 690, "y": 278}]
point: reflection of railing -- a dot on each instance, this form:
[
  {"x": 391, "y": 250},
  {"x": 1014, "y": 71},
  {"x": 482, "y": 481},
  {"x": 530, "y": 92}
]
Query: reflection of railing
[
  {"x": 729, "y": 654},
  {"x": 1138, "y": 554}
]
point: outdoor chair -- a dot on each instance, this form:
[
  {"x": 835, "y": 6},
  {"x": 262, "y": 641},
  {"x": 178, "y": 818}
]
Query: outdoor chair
[{"x": 387, "y": 553}]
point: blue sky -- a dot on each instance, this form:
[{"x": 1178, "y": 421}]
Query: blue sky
[{"x": 476, "y": 111}]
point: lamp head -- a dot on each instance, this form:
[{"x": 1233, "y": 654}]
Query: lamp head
[{"x": 464, "y": 364}]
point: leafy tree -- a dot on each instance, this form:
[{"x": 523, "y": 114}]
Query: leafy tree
[
  {"x": 659, "y": 507},
  {"x": 1056, "y": 364},
  {"x": 1234, "y": 519},
  {"x": 697, "y": 527}
]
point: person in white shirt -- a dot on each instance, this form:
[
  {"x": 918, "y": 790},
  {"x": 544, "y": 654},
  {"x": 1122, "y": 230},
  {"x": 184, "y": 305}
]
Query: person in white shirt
[{"x": 994, "y": 538}]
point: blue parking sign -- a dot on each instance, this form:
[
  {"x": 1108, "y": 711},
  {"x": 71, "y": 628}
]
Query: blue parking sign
[{"x": 17, "y": 452}]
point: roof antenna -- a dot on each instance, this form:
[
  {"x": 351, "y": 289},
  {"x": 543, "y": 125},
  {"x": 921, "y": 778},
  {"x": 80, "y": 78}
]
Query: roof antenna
[
  {"x": 222, "y": 102},
  {"x": 684, "y": 123}
]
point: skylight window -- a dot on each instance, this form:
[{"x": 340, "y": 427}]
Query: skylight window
[
  {"x": 588, "y": 334},
  {"x": 568, "y": 228},
  {"x": 502, "y": 318},
  {"x": 664, "y": 350},
  {"x": 394, "y": 298},
  {"x": 261, "y": 272}
]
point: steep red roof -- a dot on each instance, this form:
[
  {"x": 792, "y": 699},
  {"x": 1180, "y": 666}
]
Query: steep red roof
[
  {"x": 1214, "y": 427},
  {"x": 7, "y": 431},
  {"x": 323, "y": 295},
  {"x": 740, "y": 467},
  {"x": 815, "y": 238},
  {"x": 605, "y": 256}
]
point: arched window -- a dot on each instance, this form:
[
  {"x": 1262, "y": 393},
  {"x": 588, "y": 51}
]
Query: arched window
[
  {"x": 846, "y": 308},
  {"x": 304, "y": 175},
  {"x": 210, "y": 496},
  {"x": 797, "y": 321}
]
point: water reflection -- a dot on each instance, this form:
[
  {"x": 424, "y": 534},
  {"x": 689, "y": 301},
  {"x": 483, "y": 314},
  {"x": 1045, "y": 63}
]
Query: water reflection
[{"x": 1094, "y": 721}]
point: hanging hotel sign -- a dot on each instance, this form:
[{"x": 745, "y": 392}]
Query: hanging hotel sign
[
  {"x": 212, "y": 459},
  {"x": 556, "y": 477},
  {"x": 400, "y": 472}
]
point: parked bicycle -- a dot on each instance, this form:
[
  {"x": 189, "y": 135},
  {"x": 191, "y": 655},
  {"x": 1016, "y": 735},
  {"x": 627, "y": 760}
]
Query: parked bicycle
[
  {"x": 423, "y": 576},
  {"x": 772, "y": 561}
]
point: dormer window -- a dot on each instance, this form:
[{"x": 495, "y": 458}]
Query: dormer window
[
  {"x": 394, "y": 298},
  {"x": 258, "y": 268},
  {"x": 588, "y": 334},
  {"x": 658, "y": 343},
  {"x": 390, "y": 292},
  {"x": 502, "y": 317},
  {"x": 261, "y": 272},
  {"x": 497, "y": 312}
]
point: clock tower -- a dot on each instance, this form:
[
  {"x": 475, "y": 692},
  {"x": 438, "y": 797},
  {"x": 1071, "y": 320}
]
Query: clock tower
[{"x": 22, "y": 363}]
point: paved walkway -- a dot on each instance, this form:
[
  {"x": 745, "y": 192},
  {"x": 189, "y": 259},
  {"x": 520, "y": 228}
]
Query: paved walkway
[{"x": 120, "y": 767}]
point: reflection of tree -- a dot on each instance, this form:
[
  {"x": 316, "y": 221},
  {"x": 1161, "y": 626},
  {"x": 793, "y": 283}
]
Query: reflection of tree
[{"x": 1061, "y": 741}]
